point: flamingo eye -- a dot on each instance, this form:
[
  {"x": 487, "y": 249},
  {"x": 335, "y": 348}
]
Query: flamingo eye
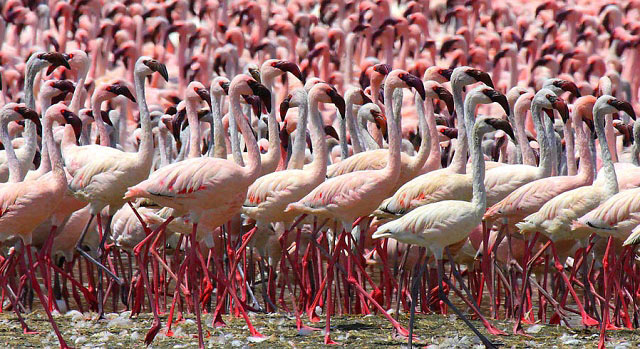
[{"x": 108, "y": 88}]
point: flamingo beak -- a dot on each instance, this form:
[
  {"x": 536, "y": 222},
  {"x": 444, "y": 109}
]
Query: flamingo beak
[
  {"x": 445, "y": 96},
  {"x": 29, "y": 114},
  {"x": 56, "y": 59},
  {"x": 415, "y": 82},
  {"x": 560, "y": 105},
  {"x": 501, "y": 124},
  {"x": 284, "y": 106},
  {"x": 205, "y": 95},
  {"x": 623, "y": 106},
  {"x": 73, "y": 120},
  {"x": 338, "y": 101},
  {"x": 158, "y": 67},
  {"x": 122, "y": 90},
  {"x": 499, "y": 98},
  {"x": 481, "y": 76},
  {"x": 261, "y": 91},
  {"x": 292, "y": 68}
]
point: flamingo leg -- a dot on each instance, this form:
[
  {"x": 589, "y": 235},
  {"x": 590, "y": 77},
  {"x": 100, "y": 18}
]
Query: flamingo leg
[
  {"x": 487, "y": 343},
  {"x": 43, "y": 300},
  {"x": 417, "y": 276}
]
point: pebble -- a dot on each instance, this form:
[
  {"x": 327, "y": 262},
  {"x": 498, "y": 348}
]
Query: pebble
[{"x": 534, "y": 329}]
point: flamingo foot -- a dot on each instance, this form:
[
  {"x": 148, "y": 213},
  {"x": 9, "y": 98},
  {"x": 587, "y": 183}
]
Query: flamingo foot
[
  {"x": 612, "y": 327},
  {"x": 401, "y": 331},
  {"x": 555, "y": 319},
  {"x": 329, "y": 341},
  {"x": 494, "y": 331},
  {"x": 588, "y": 321},
  {"x": 306, "y": 328},
  {"x": 153, "y": 331},
  {"x": 28, "y": 331},
  {"x": 169, "y": 333}
]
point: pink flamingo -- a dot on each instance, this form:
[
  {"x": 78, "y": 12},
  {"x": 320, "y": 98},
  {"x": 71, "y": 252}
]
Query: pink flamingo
[
  {"x": 350, "y": 196},
  {"x": 26, "y": 204},
  {"x": 444, "y": 223},
  {"x": 101, "y": 175},
  {"x": 206, "y": 185}
]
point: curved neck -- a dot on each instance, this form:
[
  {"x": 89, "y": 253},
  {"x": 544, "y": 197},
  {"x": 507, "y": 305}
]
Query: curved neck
[
  {"x": 162, "y": 148},
  {"x": 252, "y": 170},
  {"x": 417, "y": 161},
  {"x": 393, "y": 164},
  {"x": 272, "y": 157},
  {"x": 528, "y": 158},
  {"x": 195, "y": 141},
  {"x": 459, "y": 161},
  {"x": 220, "y": 146},
  {"x": 97, "y": 116},
  {"x": 582, "y": 143},
  {"x": 356, "y": 144},
  {"x": 570, "y": 148},
  {"x": 235, "y": 138},
  {"x": 367, "y": 139},
  {"x": 434, "y": 159},
  {"x": 34, "y": 65},
  {"x": 543, "y": 140},
  {"x": 15, "y": 174},
  {"x": 320, "y": 159},
  {"x": 611, "y": 137},
  {"x": 53, "y": 149},
  {"x": 76, "y": 100},
  {"x": 611, "y": 181},
  {"x": 145, "y": 150},
  {"x": 479, "y": 199},
  {"x": 297, "y": 156},
  {"x": 635, "y": 149},
  {"x": 45, "y": 162}
]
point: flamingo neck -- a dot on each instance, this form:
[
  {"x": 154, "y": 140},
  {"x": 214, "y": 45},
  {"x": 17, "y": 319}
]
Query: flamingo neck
[
  {"x": 162, "y": 148},
  {"x": 320, "y": 158},
  {"x": 235, "y": 139},
  {"x": 635, "y": 149},
  {"x": 15, "y": 173},
  {"x": 252, "y": 170},
  {"x": 34, "y": 65},
  {"x": 582, "y": 142},
  {"x": 297, "y": 156},
  {"x": 53, "y": 151},
  {"x": 611, "y": 137},
  {"x": 393, "y": 164},
  {"x": 479, "y": 200},
  {"x": 272, "y": 157},
  {"x": 568, "y": 130},
  {"x": 351, "y": 126},
  {"x": 528, "y": 158},
  {"x": 459, "y": 161},
  {"x": 417, "y": 162},
  {"x": 45, "y": 162},
  {"x": 145, "y": 150},
  {"x": 367, "y": 139},
  {"x": 195, "y": 141},
  {"x": 433, "y": 161},
  {"x": 97, "y": 116},
  {"x": 611, "y": 181},
  {"x": 543, "y": 140},
  {"x": 220, "y": 146}
]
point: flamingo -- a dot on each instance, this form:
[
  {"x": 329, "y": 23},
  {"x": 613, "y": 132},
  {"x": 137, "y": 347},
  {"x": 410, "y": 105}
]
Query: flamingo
[
  {"x": 101, "y": 174},
  {"x": 202, "y": 185},
  {"x": 554, "y": 219},
  {"x": 410, "y": 166},
  {"x": 356, "y": 194},
  {"x": 26, "y": 204},
  {"x": 444, "y": 223}
]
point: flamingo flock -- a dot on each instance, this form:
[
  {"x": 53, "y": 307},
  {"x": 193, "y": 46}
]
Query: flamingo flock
[{"x": 318, "y": 158}]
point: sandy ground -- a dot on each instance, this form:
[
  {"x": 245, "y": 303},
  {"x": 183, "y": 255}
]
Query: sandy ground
[{"x": 118, "y": 330}]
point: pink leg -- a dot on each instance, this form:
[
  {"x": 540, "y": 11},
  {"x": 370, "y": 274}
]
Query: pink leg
[{"x": 43, "y": 300}]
